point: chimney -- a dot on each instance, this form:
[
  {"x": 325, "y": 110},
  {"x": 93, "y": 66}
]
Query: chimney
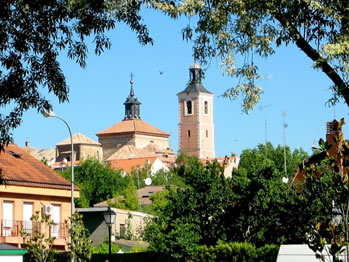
[
  {"x": 333, "y": 131},
  {"x": 27, "y": 142}
]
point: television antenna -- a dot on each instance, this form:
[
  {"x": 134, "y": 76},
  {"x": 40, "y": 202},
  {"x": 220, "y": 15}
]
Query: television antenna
[
  {"x": 261, "y": 108},
  {"x": 284, "y": 126}
]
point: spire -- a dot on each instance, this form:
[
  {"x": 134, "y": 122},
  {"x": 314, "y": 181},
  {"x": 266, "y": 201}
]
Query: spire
[
  {"x": 132, "y": 105},
  {"x": 132, "y": 92}
]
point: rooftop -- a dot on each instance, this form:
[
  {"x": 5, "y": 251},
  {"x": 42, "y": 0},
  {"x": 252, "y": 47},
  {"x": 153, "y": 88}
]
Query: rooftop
[
  {"x": 20, "y": 168},
  {"x": 78, "y": 138},
  {"x": 132, "y": 163},
  {"x": 135, "y": 126}
]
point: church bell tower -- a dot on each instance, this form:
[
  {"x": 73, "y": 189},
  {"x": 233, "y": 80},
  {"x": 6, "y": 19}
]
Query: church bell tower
[{"x": 196, "y": 129}]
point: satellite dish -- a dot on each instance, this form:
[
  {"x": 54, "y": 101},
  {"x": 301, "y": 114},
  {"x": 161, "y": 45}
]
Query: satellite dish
[{"x": 148, "y": 181}]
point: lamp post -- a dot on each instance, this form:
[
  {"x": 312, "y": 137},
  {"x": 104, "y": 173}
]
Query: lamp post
[
  {"x": 109, "y": 218},
  {"x": 49, "y": 113}
]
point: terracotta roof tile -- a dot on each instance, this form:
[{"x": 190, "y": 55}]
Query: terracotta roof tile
[
  {"x": 20, "y": 168},
  {"x": 129, "y": 151},
  {"x": 78, "y": 138},
  {"x": 128, "y": 164},
  {"x": 133, "y": 126}
]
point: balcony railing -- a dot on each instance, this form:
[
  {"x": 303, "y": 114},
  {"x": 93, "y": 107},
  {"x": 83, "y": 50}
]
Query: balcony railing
[{"x": 13, "y": 228}]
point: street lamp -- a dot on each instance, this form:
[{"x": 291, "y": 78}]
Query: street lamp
[
  {"x": 49, "y": 113},
  {"x": 109, "y": 218}
]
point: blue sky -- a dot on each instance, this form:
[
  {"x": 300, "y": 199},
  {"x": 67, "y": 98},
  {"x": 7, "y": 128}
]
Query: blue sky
[{"x": 98, "y": 92}]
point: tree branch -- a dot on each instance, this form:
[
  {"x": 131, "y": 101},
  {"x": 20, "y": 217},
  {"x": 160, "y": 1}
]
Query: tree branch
[{"x": 314, "y": 55}]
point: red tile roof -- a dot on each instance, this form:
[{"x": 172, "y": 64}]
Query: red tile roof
[
  {"x": 20, "y": 168},
  {"x": 128, "y": 164},
  {"x": 136, "y": 126}
]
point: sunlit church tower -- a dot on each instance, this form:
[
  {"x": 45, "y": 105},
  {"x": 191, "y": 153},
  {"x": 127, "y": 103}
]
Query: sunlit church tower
[{"x": 196, "y": 129}]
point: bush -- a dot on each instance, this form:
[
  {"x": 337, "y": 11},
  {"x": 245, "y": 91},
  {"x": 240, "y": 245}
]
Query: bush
[
  {"x": 104, "y": 248},
  {"x": 236, "y": 252}
]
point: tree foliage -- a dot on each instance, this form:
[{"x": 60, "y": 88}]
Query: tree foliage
[
  {"x": 96, "y": 182},
  {"x": 159, "y": 202},
  {"x": 236, "y": 252},
  {"x": 254, "y": 206},
  {"x": 326, "y": 187},
  {"x": 263, "y": 156},
  {"x": 80, "y": 245},
  {"x": 264, "y": 210},
  {"x": 232, "y": 28},
  {"x": 39, "y": 244},
  {"x": 127, "y": 199},
  {"x": 104, "y": 248},
  {"x": 195, "y": 215},
  {"x": 32, "y": 36}
]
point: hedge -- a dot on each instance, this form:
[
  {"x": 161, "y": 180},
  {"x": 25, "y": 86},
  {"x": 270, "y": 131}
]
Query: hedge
[{"x": 236, "y": 252}]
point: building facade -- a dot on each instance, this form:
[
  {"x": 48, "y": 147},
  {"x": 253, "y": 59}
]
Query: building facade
[
  {"x": 84, "y": 148},
  {"x": 31, "y": 186},
  {"x": 196, "y": 128}
]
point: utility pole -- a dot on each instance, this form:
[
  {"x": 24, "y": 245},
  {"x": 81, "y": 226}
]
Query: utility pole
[{"x": 284, "y": 126}]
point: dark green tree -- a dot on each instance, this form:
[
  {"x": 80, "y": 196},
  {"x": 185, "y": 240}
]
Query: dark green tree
[
  {"x": 196, "y": 215},
  {"x": 34, "y": 33},
  {"x": 96, "y": 182},
  {"x": 257, "y": 159},
  {"x": 265, "y": 207},
  {"x": 254, "y": 206}
]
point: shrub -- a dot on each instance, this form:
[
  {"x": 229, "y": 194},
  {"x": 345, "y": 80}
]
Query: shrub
[{"x": 236, "y": 252}]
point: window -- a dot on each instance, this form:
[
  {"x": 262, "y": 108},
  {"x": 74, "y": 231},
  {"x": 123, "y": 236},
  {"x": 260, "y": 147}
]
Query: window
[
  {"x": 56, "y": 215},
  {"x": 189, "y": 107},
  {"x": 7, "y": 215},
  {"x": 206, "y": 107},
  {"x": 206, "y": 133},
  {"x": 192, "y": 75},
  {"x": 27, "y": 214},
  {"x": 188, "y": 133},
  {"x": 122, "y": 230}
]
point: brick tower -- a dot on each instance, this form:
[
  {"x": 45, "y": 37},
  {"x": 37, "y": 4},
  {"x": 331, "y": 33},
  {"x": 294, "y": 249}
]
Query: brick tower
[{"x": 196, "y": 129}]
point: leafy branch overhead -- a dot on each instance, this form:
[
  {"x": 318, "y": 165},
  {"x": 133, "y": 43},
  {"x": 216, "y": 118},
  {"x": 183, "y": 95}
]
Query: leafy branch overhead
[
  {"x": 231, "y": 28},
  {"x": 32, "y": 35}
]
